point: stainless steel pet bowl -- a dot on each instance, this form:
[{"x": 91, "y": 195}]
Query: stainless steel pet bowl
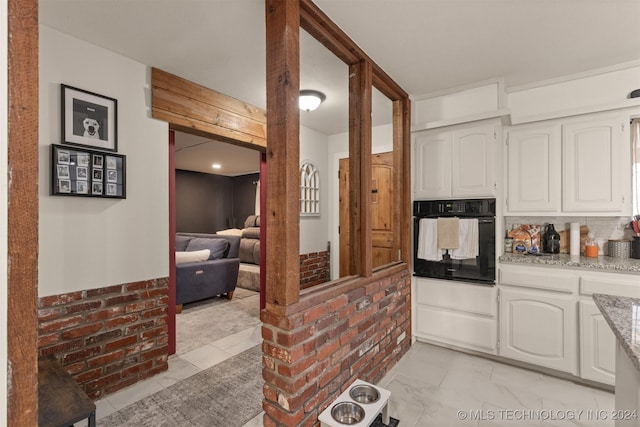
[
  {"x": 364, "y": 394},
  {"x": 347, "y": 413}
]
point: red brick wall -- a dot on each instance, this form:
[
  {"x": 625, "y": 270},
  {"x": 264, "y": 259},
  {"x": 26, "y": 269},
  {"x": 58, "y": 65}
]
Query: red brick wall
[
  {"x": 332, "y": 336},
  {"x": 107, "y": 338},
  {"x": 314, "y": 269}
]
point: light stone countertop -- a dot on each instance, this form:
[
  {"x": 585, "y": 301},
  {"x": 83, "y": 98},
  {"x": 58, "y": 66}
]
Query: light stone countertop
[
  {"x": 623, "y": 316},
  {"x": 602, "y": 263}
]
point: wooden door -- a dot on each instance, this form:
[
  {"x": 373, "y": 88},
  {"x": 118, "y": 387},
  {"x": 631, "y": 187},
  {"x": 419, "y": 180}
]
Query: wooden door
[{"x": 383, "y": 247}]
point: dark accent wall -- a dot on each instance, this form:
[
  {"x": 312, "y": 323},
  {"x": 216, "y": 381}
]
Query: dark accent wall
[{"x": 206, "y": 203}]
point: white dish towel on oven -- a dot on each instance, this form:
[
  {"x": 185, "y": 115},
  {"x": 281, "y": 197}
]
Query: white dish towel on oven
[
  {"x": 428, "y": 240},
  {"x": 469, "y": 237}
]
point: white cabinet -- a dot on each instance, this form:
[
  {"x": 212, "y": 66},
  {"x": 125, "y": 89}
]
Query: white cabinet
[
  {"x": 592, "y": 166},
  {"x": 597, "y": 341},
  {"x": 455, "y": 163},
  {"x": 597, "y": 345},
  {"x": 538, "y": 318},
  {"x": 569, "y": 166},
  {"x": 538, "y": 327},
  {"x": 473, "y": 171},
  {"x": 533, "y": 163},
  {"x": 456, "y": 313},
  {"x": 432, "y": 169}
]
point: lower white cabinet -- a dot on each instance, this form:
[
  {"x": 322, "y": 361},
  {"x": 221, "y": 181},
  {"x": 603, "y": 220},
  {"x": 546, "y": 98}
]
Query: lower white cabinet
[
  {"x": 597, "y": 345},
  {"x": 538, "y": 327},
  {"x": 456, "y": 313}
]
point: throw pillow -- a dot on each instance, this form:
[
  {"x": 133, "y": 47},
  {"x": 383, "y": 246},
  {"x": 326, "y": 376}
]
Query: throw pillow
[
  {"x": 230, "y": 232},
  {"x": 182, "y": 242},
  {"x": 192, "y": 256},
  {"x": 217, "y": 246}
]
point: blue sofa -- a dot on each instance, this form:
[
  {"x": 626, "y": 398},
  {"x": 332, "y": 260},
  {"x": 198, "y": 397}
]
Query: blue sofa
[{"x": 216, "y": 275}]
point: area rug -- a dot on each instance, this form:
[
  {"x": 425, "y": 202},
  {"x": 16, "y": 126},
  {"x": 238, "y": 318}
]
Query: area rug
[
  {"x": 228, "y": 394},
  {"x": 204, "y": 322}
]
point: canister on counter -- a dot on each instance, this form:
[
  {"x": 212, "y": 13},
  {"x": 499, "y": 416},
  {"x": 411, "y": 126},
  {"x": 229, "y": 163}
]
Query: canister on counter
[
  {"x": 619, "y": 248},
  {"x": 508, "y": 245}
]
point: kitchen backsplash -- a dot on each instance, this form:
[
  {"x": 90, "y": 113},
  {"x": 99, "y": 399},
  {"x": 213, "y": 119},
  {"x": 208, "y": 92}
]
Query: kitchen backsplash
[{"x": 603, "y": 227}]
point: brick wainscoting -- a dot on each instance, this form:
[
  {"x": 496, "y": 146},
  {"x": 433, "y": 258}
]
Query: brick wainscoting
[
  {"x": 314, "y": 269},
  {"x": 107, "y": 338},
  {"x": 332, "y": 336}
]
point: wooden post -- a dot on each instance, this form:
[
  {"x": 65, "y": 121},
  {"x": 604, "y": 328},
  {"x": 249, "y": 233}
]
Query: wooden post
[
  {"x": 283, "y": 152},
  {"x": 361, "y": 259},
  {"x": 22, "y": 238}
]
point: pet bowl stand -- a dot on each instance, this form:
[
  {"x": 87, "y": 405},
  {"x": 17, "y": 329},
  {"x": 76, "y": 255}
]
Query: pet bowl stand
[{"x": 371, "y": 410}]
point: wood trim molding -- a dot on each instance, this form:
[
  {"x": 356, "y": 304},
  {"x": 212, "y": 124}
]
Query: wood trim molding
[
  {"x": 22, "y": 236},
  {"x": 195, "y": 109}
]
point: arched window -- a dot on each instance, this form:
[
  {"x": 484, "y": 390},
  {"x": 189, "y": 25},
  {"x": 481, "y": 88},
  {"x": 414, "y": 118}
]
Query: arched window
[{"x": 309, "y": 189}]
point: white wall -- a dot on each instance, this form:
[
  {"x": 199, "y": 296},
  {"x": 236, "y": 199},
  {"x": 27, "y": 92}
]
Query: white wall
[
  {"x": 3, "y": 209},
  {"x": 90, "y": 243},
  {"x": 314, "y": 230},
  {"x": 338, "y": 148}
]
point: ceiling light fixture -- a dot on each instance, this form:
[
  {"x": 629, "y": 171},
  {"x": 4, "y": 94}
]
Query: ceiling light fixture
[
  {"x": 310, "y": 99},
  {"x": 216, "y": 166}
]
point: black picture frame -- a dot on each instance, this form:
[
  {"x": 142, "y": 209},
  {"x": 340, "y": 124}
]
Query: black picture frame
[
  {"x": 89, "y": 119},
  {"x": 81, "y": 172}
]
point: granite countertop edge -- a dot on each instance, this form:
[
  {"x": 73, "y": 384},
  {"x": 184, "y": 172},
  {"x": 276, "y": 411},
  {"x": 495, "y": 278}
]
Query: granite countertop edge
[
  {"x": 601, "y": 263},
  {"x": 618, "y": 313}
]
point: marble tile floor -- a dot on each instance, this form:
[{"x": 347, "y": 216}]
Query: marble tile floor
[
  {"x": 430, "y": 386},
  {"x": 435, "y": 386}
]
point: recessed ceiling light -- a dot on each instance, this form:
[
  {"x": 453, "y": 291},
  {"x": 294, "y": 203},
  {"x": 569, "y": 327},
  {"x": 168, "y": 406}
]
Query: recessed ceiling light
[{"x": 216, "y": 166}]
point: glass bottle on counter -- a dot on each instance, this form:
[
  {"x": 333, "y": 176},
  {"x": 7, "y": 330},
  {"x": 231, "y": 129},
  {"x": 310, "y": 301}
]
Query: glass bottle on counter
[
  {"x": 591, "y": 246},
  {"x": 551, "y": 240}
]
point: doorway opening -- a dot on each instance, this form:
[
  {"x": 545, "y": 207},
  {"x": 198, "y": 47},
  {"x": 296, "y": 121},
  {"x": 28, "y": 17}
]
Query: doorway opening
[{"x": 214, "y": 195}]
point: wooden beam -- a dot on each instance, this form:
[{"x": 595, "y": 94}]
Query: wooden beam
[
  {"x": 402, "y": 178},
  {"x": 283, "y": 152},
  {"x": 22, "y": 236},
  {"x": 196, "y": 109},
  {"x": 360, "y": 168},
  {"x": 323, "y": 29}
]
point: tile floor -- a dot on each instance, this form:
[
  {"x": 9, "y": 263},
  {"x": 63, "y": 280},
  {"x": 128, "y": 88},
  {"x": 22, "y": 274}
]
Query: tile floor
[
  {"x": 434, "y": 386},
  {"x": 181, "y": 367},
  {"x": 430, "y": 386}
]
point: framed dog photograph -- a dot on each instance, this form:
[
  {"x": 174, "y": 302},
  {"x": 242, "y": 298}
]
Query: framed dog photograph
[{"x": 89, "y": 119}]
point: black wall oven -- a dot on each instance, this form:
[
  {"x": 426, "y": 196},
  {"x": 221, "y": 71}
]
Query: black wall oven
[{"x": 479, "y": 269}]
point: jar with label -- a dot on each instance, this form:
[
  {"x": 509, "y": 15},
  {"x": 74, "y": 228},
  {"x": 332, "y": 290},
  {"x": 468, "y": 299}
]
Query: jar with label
[
  {"x": 508, "y": 245},
  {"x": 591, "y": 246}
]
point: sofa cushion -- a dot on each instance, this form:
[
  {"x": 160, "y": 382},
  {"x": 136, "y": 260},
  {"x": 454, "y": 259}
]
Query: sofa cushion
[
  {"x": 251, "y": 233},
  {"x": 218, "y": 247},
  {"x": 182, "y": 242},
  {"x": 230, "y": 232},
  {"x": 252, "y": 221},
  {"x": 183, "y": 257}
]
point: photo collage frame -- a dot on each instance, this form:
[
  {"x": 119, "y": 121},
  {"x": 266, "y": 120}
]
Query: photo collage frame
[{"x": 90, "y": 173}]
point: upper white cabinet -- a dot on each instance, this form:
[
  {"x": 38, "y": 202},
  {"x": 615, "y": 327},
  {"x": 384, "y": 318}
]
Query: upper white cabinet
[
  {"x": 592, "y": 167},
  {"x": 533, "y": 163},
  {"x": 432, "y": 170},
  {"x": 569, "y": 166},
  {"x": 455, "y": 163}
]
